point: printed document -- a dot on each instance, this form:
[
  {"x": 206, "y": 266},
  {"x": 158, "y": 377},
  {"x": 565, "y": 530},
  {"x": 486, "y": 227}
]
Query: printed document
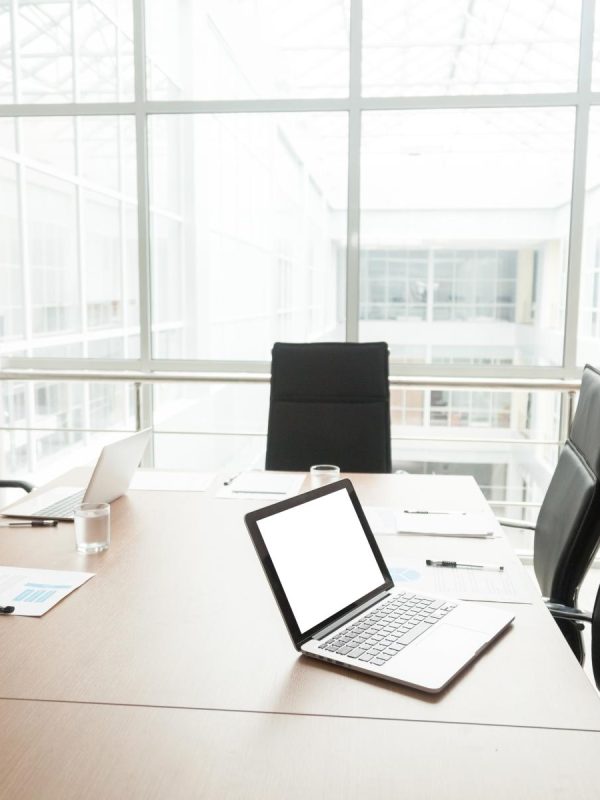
[
  {"x": 507, "y": 586},
  {"x": 34, "y": 591},
  {"x": 430, "y": 523},
  {"x": 263, "y": 485}
]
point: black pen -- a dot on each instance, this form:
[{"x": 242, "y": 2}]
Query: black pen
[
  {"x": 34, "y": 523},
  {"x": 457, "y": 565},
  {"x": 256, "y": 491},
  {"x": 6, "y": 609},
  {"x": 424, "y": 511}
]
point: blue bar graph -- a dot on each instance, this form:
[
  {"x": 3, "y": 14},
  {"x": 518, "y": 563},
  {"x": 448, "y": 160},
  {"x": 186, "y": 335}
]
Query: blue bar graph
[{"x": 38, "y": 592}]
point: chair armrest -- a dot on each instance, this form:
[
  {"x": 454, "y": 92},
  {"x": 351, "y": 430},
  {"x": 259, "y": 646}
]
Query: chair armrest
[
  {"x": 559, "y": 611},
  {"x": 8, "y": 484},
  {"x": 516, "y": 523}
]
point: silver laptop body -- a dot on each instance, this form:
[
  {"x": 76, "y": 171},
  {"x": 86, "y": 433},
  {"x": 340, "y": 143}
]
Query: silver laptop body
[
  {"x": 111, "y": 478},
  {"x": 339, "y": 601}
]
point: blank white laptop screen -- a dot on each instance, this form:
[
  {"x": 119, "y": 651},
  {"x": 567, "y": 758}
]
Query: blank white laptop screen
[{"x": 322, "y": 557}]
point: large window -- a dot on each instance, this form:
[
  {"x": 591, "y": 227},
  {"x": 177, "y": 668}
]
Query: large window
[
  {"x": 184, "y": 183},
  {"x": 245, "y": 239}
]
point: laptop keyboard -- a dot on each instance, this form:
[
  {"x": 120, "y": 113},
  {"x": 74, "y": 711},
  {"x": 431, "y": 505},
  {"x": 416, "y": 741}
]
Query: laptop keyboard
[
  {"x": 62, "y": 508},
  {"x": 392, "y": 625}
]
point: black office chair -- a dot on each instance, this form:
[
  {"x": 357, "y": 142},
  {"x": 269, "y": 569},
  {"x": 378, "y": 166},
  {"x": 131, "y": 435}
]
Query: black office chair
[
  {"x": 578, "y": 617},
  {"x": 8, "y": 484},
  {"x": 567, "y": 532},
  {"x": 330, "y": 404}
]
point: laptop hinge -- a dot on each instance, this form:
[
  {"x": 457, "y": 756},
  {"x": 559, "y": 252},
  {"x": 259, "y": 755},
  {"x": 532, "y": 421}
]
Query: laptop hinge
[{"x": 350, "y": 615}]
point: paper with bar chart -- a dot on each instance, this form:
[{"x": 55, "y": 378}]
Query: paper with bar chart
[{"x": 32, "y": 592}]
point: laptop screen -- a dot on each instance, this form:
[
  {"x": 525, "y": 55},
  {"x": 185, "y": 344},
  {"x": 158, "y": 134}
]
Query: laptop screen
[{"x": 322, "y": 557}]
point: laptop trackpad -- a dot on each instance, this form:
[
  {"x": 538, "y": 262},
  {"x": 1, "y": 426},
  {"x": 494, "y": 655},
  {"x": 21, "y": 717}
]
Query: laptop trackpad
[{"x": 430, "y": 662}]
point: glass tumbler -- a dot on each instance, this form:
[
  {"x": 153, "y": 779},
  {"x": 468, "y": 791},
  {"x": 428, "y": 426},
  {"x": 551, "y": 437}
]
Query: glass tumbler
[{"x": 92, "y": 527}]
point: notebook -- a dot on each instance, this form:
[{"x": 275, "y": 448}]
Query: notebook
[
  {"x": 111, "y": 478},
  {"x": 339, "y": 602}
]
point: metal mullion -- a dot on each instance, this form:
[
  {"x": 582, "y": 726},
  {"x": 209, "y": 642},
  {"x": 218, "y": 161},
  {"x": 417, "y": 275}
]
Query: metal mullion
[
  {"x": 65, "y": 109},
  {"x": 15, "y": 54},
  {"x": 24, "y": 249},
  {"x": 122, "y": 234},
  {"x": 74, "y": 40},
  {"x": 354, "y": 144},
  {"x": 80, "y": 219},
  {"x": 122, "y": 215},
  {"x": 576, "y": 230},
  {"x": 420, "y": 102},
  {"x": 142, "y": 182},
  {"x": 145, "y": 414},
  {"x": 299, "y": 104}
]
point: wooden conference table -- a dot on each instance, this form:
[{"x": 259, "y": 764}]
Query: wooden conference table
[{"x": 170, "y": 674}]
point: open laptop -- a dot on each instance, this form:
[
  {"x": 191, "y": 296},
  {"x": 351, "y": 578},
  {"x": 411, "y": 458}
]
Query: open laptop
[
  {"x": 339, "y": 602},
  {"x": 111, "y": 478}
]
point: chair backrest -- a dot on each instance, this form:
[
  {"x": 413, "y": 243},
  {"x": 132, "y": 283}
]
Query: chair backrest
[
  {"x": 567, "y": 532},
  {"x": 330, "y": 404}
]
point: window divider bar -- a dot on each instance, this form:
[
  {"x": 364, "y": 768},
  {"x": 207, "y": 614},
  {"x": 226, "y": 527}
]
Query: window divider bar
[
  {"x": 354, "y": 148},
  {"x": 141, "y": 135},
  {"x": 576, "y": 226}
]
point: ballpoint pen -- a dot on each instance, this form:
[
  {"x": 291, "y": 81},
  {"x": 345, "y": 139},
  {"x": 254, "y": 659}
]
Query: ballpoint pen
[
  {"x": 256, "y": 491},
  {"x": 424, "y": 511},
  {"x": 33, "y": 523},
  {"x": 458, "y": 565}
]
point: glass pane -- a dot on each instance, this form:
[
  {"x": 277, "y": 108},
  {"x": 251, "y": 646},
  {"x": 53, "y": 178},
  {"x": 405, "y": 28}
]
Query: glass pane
[
  {"x": 496, "y": 429},
  {"x": 68, "y": 217},
  {"x": 596, "y": 54},
  {"x": 12, "y": 316},
  {"x": 589, "y": 301},
  {"x": 478, "y": 200},
  {"x": 65, "y": 52},
  {"x": 450, "y": 47},
  {"x": 51, "y": 235},
  {"x": 6, "y": 59},
  {"x": 247, "y": 232},
  {"x": 227, "y": 49},
  {"x": 49, "y": 425}
]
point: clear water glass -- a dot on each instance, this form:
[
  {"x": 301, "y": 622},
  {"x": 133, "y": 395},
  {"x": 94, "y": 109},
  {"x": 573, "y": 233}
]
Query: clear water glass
[
  {"x": 320, "y": 474},
  {"x": 92, "y": 527}
]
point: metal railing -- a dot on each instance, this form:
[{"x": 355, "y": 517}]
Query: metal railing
[{"x": 568, "y": 387}]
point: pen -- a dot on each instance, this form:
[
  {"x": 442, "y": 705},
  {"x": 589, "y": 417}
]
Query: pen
[
  {"x": 456, "y": 565},
  {"x": 34, "y": 523},
  {"x": 6, "y": 609},
  {"x": 423, "y": 511},
  {"x": 255, "y": 491}
]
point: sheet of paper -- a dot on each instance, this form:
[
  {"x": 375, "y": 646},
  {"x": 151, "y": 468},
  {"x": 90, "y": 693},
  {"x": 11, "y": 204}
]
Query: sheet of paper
[
  {"x": 391, "y": 520},
  {"x": 34, "y": 591},
  {"x": 463, "y": 584},
  {"x": 171, "y": 480},
  {"x": 260, "y": 485}
]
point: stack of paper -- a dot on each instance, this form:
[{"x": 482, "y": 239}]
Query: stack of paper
[
  {"x": 265, "y": 485},
  {"x": 430, "y": 523}
]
